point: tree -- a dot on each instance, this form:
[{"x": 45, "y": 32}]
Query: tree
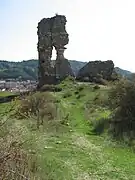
[{"x": 122, "y": 104}]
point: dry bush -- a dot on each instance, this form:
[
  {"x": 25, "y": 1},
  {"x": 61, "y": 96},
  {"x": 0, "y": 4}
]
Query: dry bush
[
  {"x": 38, "y": 106},
  {"x": 15, "y": 163}
]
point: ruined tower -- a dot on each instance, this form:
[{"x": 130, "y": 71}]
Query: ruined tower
[{"x": 52, "y": 33}]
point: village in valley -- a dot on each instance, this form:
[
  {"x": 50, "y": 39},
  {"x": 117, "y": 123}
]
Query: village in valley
[{"x": 14, "y": 85}]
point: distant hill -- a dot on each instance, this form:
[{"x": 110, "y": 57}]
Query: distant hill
[
  {"x": 24, "y": 70},
  {"x": 123, "y": 72},
  {"x": 77, "y": 65},
  {"x": 28, "y": 70}
]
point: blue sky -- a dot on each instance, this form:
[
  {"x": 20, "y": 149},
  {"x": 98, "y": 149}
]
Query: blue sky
[{"x": 98, "y": 29}]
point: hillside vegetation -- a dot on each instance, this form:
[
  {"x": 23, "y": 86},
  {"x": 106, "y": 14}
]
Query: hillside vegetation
[
  {"x": 64, "y": 135},
  {"x": 28, "y": 70}
]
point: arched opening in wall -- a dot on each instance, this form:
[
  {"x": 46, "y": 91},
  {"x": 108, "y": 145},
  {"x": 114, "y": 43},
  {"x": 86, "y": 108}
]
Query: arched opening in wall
[{"x": 53, "y": 56}]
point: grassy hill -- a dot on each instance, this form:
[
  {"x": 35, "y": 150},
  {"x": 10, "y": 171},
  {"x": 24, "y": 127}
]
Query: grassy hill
[
  {"x": 24, "y": 69},
  {"x": 29, "y": 69},
  {"x": 65, "y": 145}
]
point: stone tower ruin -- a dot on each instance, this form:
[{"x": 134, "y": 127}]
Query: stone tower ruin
[{"x": 52, "y": 33}]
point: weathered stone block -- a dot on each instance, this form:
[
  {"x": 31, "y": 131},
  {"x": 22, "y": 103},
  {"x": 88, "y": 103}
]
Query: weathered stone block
[{"x": 97, "y": 70}]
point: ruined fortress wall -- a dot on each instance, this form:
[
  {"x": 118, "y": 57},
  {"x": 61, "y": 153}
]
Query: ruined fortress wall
[
  {"x": 97, "y": 69},
  {"x": 52, "y": 33}
]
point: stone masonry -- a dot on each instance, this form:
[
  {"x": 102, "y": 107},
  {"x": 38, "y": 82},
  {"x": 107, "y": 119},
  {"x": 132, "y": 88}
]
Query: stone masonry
[
  {"x": 52, "y": 33},
  {"x": 94, "y": 70}
]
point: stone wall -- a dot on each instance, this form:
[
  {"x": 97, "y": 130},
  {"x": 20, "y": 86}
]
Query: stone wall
[
  {"x": 95, "y": 70},
  {"x": 52, "y": 33}
]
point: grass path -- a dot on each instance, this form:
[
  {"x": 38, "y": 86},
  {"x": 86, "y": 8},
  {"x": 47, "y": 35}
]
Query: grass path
[{"x": 92, "y": 155}]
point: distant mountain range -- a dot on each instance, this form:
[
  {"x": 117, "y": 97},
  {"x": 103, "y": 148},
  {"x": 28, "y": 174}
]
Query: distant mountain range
[{"x": 28, "y": 70}]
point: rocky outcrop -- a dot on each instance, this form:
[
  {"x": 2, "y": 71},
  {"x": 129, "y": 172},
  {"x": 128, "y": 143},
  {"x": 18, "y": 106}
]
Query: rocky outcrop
[
  {"x": 52, "y": 33},
  {"x": 94, "y": 71}
]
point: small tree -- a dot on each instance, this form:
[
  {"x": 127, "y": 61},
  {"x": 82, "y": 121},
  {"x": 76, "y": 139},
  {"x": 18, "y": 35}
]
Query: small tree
[
  {"x": 122, "y": 103},
  {"x": 39, "y": 106}
]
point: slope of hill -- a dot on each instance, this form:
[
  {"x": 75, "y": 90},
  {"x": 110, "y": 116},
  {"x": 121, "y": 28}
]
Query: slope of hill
[
  {"x": 24, "y": 69},
  {"x": 123, "y": 72},
  {"x": 71, "y": 142},
  {"x": 77, "y": 65},
  {"x": 29, "y": 69}
]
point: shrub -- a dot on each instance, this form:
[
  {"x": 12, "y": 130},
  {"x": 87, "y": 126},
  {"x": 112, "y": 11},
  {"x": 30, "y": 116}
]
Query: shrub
[
  {"x": 70, "y": 78},
  {"x": 80, "y": 88},
  {"x": 67, "y": 94},
  {"x": 96, "y": 87},
  {"x": 38, "y": 105},
  {"x": 79, "y": 96},
  {"x": 52, "y": 88},
  {"x": 15, "y": 163},
  {"x": 85, "y": 79},
  {"x": 103, "y": 81},
  {"x": 99, "y": 80},
  {"x": 101, "y": 99},
  {"x": 76, "y": 92},
  {"x": 122, "y": 103},
  {"x": 100, "y": 125}
]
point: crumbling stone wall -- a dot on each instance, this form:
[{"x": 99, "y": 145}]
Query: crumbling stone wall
[
  {"x": 52, "y": 33},
  {"x": 94, "y": 70}
]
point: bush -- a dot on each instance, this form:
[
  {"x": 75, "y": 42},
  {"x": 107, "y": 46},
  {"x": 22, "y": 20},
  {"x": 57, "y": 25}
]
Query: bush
[
  {"x": 122, "y": 103},
  {"x": 70, "y": 78},
  {"x": 80, "y": 88},
  {"x": 96, "y": 87},
  {"x": 101, "y": 99},
  {"x": 38, "y": 105},
  {"x": 15, "y": 163},
  {"x": 51, "y": 88},
  {"x": 103, "y": 81},
  {"x": 76, "y": 92},
  {"x": 100, "y": 125},
  {"x": 67, "y": 94},
  {"x": 99, "y": 80},
  {"x": 79, "y": 96}
]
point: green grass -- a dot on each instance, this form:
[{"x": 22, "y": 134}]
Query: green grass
[
  {"x": 5, "y": 93},
  {"x": 72, "y": 152}
]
